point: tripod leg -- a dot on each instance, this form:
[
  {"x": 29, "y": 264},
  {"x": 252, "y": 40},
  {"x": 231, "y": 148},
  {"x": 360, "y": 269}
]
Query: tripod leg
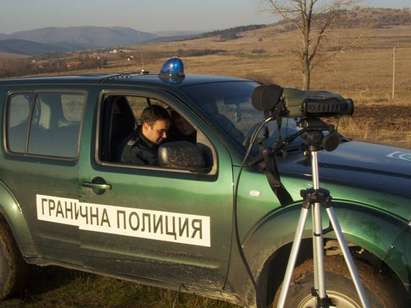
[
  {"x": 347, "y": 256},
  {"x": 293, "y": 257},
  {"x": 315, "y": 265},
  {"x": 318, "y": 247},
  {"x": 319, "y": 280}
]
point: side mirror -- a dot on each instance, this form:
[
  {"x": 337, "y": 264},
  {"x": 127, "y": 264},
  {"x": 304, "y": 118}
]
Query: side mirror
[{"x": 182, "y": 155}]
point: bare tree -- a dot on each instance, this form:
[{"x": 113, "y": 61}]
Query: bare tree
[{"x": 312, "y": 19}]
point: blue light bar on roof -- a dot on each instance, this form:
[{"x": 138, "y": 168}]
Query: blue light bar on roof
[{"x": 173, "y": 70}]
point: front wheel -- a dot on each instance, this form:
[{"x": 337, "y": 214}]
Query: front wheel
[{"x": 340, "y": 287}]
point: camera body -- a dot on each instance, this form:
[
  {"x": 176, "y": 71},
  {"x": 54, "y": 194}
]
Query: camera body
[
  {"x": 300, "y": 103},
  {"x": 294, "y": 103}
]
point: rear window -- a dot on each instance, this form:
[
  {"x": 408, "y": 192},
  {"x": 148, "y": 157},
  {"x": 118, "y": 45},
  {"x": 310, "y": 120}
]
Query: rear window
[{"x": 46, "y": 124}]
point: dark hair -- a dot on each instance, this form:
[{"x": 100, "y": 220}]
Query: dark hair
[{"x": 154, "y": 113}]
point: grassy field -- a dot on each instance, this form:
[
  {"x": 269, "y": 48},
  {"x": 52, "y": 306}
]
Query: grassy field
[{"x": 356, "y": 63}]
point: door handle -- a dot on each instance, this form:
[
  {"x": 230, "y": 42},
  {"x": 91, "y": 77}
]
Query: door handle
[{"x": 98, "y": 185}]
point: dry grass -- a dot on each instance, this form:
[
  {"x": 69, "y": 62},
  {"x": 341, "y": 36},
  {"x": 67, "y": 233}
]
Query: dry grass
[{"x": 389, "y": 124}]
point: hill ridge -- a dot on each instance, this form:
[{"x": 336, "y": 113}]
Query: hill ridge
[{"x": 76, "y": 38}]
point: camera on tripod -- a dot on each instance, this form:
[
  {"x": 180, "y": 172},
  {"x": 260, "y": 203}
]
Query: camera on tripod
[
  {"x": 294, "y": 103},
  {"x": 308, "y": 106}
]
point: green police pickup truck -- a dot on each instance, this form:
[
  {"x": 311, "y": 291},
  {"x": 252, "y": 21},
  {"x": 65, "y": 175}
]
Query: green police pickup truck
[{"x": 67, "y": 198}]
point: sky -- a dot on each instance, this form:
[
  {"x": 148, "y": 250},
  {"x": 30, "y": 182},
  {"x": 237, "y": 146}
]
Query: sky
[{"x": 143, "y": 15}]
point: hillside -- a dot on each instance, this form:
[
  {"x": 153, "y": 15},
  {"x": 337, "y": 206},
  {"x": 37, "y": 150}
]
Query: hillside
[
  {"x": 85, "y": 37},
  {"x": 231, "y": 33},
  {"x": 29, "y": 48},
  {"x": 78, "y": 38},
  {"x": 358, "y": 17},
  {"x": 373, "y": 18}
]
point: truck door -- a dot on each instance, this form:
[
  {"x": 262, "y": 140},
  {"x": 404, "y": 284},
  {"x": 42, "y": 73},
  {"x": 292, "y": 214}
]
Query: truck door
[
  {"x": 42, "y": 136},
  {"x": 165, "y": 225}
]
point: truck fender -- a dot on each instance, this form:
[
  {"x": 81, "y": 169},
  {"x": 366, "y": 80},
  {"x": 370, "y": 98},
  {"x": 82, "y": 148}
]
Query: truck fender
[
  {"x": 12, "y": 214},
  {"x": 271, "y": 238}
]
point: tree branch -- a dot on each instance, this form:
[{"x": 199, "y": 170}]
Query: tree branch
[{"x": 310, "y": 18}]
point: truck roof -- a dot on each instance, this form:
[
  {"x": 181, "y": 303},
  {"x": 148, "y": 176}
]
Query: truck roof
[{"x": 117, "y": 79}]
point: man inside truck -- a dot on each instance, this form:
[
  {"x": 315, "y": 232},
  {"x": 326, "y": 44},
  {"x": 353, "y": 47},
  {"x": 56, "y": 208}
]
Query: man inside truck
[{"x": 142, "y": 147}]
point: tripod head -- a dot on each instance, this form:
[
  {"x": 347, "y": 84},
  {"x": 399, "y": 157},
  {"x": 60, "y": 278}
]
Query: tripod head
[
  {"x": 277, "y": 102},
  {"x": 318, "y": 135}
]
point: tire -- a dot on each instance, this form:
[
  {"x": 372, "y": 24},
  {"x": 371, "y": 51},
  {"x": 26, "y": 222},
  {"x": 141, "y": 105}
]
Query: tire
[
  {"x": 13, "y": 269},
  {"x": 340, "y": 287}
]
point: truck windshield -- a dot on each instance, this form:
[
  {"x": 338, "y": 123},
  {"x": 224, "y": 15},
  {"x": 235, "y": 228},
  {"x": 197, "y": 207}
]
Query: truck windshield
[{"x": 228, "y": 106}]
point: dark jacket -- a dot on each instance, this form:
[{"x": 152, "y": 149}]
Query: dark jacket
[{"x": 140, "y": 151}]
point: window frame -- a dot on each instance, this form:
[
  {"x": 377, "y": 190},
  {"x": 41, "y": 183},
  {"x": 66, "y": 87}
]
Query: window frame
[
  {"x": 168, "y": 100},
  {"x": 6, "y": 118},
  {"x": 35, "y": 93}
]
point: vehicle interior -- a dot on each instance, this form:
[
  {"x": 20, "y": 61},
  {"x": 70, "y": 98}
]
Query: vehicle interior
[{"x": 120, "y": 118}]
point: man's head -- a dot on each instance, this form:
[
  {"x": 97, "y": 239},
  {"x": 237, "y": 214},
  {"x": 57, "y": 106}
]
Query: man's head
[{"x": 156, "y": 122}]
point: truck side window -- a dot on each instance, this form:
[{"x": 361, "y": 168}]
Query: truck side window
[
  {"x": 54, "y": 121},
  {"x": 120, "y": 122}
]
